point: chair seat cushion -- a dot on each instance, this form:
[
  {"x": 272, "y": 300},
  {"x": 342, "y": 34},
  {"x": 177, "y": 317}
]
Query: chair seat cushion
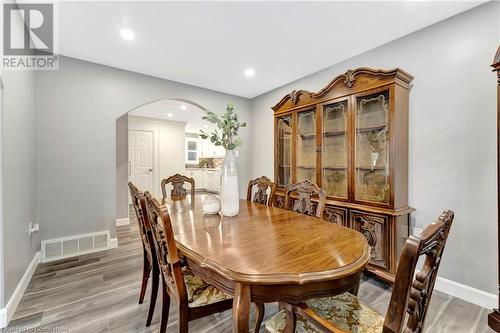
[
  {"x": 344, "y": 311},
  {"x": 200, "y": 293}
]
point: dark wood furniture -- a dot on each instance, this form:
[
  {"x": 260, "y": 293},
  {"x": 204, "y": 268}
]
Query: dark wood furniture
[
  {"x": 351, "y": 139},
  {"x": 178, "y": 192},
  {"x": 263, "y": 185},
  {"x": 267, "y": 254},
  {"x": 194, "y": 299},
  {"x": 302, "y": 202},
  {"x": 149, "y": 255},
  {"x": 494, "y": 317},
  {"x": 409, "y": 300}
]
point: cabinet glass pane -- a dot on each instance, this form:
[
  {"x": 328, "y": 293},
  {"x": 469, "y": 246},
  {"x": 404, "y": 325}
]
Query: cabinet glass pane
[
  {"x": 306, "y": 146},
  {"x": 372, "y": 148},
  {"x": 335, "y": 149},
  {"x": 284, "y": 150}
]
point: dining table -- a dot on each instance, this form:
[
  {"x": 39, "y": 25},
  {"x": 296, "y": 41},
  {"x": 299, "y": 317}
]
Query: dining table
[{"x": 267, "y": 254}]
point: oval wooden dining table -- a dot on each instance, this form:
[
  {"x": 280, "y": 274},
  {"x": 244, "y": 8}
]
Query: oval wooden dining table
[{"x": 267, "y": 254}]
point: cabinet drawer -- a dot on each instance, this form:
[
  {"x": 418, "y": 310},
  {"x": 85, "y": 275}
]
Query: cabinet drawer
[
  {"x": 375, "y": 229},
  {"x": 335, "y": 215}
]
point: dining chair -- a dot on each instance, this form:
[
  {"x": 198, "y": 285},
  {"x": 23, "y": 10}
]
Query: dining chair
[
  {"x": 178, "y": 192},
  {"x": 149, "y": 254},
  {"x": 193, "y": 297},
  {"x": 303, "y": 204},
  {"x": 260, "y": 196},
  {"x": 409, "y": 302}
]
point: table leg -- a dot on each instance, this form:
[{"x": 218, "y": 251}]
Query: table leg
[{"x": 241, "y": 308}]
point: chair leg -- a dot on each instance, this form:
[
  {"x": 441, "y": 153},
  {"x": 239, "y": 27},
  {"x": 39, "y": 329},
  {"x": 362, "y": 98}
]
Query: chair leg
[
  {"x": 165, "y": 307},
  {"x": 260, "y": 310},
  {"x": 145, "y": 277},
  {"x": 154, "y": 295},
  {"x": 182, "y": 314},
  {"x": 291, "y": 321}
]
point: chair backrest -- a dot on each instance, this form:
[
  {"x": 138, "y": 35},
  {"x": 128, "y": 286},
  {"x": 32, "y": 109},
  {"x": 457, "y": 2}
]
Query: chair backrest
[
  {"x": 178, "y": 192},
  {"x": 166, "y": 250},
  {"x": 411, "y": 294},
  {"x": 303, "y": 203},
  {"x": 139, "y": 203},
  {"x": 263, "y": 183}
]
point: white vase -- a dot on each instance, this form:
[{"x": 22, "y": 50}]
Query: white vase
[
  {"x": 229, "y": 192},
  {"x": 211, "y": 205}
]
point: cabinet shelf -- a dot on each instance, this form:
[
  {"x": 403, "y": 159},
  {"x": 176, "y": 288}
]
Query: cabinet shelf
[
  {"x": 334, "y": 133},
  {"x": 371, "y": 168},
  {"x": 334, "y": 167},
  {"x": 370, "y": 128},
  {"x": 307, "y": 136},
  {"x": 305, "y": 167}
]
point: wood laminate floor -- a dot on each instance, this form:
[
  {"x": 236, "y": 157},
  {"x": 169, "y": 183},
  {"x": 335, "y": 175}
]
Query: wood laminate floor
[{"x": 99, "y": 293}]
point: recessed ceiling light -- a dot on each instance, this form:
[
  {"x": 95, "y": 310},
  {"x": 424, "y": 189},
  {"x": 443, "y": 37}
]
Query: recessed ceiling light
[
  {"x": 183, "y": 107},
  {"x": 249, "y": 72},
  {"x": 127, "y": 34},
  {"x": 170, "y": 114},
  {"x": 206, "y": 126}
]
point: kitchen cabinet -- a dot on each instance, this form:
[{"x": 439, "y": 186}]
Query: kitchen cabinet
[
  {"x": 205, "y": 179},
  {"x": 208, "y": 149},
  {"x": 199, "y": 178}
]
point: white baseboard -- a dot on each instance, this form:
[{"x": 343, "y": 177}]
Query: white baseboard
[
  {"x": 467, "y": 293},
  {"x": 7, "y": 312},
  {"x": 123, "y": 221},
  {"x": 113, "y": 243}
]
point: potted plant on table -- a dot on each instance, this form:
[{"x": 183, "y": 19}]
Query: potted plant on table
[{"x": 225, "y": 134}]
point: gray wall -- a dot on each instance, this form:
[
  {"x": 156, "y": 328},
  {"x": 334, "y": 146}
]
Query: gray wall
[
  {"x": 18, "y": 173},
  {"x": 77, "y": 109},
  {"x": 122, "y": 209},
  {"x": 452, "y": 132}
]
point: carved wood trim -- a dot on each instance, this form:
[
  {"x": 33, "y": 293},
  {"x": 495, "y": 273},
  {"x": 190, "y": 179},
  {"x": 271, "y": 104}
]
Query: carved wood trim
[
  {"x": 178, "y": 192},
  {"x": 368, "y": 224},
  {"x": 412, "y": 295},
  {"x": 348, "y": 79},
  {"x": 139, "y": 203},
  {"x": 263, "y": 184},
  {"x": 303, "y": 204},
  {"x": 335, "y": 215}
]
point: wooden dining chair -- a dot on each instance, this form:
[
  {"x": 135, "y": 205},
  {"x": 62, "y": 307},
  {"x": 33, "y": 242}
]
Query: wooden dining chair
[
  {"x": 178, "y": 192},
  {"x": 149, "y": 254},
  {"x": 409, "y": 302},
  {"x": 193, "y": 297},
  {"x": 260, "y": 196},
  {"x": 303, "y": 204}
]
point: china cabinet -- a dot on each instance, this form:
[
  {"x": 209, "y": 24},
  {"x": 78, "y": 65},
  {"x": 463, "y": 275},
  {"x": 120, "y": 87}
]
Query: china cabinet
[{"x": 351, "y": 138}]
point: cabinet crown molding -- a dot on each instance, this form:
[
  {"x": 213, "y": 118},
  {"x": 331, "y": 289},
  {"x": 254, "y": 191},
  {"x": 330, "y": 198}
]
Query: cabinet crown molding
[{"x": 348, "y": 79}]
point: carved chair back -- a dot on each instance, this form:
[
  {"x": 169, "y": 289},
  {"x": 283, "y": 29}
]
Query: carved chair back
[
  {"x": 411, "y": 295},
  {"x": 178, "y": 192},
  {"x": 303, "y": 204},
  {"x": 166, "y": 250},
  {"x": 139, "y": 203},
  {"x": 260, "y": 196}
]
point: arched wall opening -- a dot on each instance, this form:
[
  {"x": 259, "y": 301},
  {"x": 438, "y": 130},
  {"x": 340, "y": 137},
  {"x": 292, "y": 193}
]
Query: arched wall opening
[{"x": 151, "y": 145}]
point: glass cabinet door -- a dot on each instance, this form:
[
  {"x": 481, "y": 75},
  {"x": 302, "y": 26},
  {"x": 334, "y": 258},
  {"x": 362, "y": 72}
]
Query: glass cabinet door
[
  {"x": 334, "y": 157},
  {"x": 372, "y": 148},
  {"x": 306, "y": 146},
  {"x": 284, "y": 150}
]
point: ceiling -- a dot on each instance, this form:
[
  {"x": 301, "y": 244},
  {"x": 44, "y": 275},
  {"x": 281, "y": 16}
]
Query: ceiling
[
  {"x": 210, "y": 44},
  {"x": 173, "y": 110}
]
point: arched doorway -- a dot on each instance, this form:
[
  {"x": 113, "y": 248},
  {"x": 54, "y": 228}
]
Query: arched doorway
[{"x": 151, "y": 144}]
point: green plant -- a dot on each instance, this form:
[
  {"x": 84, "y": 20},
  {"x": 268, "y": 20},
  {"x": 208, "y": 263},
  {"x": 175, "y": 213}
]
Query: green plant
[{"x": 226, "y": 133}]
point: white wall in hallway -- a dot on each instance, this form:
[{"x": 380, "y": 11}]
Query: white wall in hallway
[{"x": 452, "y": 132}]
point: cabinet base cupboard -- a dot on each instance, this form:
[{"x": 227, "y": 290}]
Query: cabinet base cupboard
[{"x": 351, "y": 138}]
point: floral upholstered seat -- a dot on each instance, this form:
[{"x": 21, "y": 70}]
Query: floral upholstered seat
[
  {"x": 199, "y": 293},
  {"x": 345, "y": 311}
]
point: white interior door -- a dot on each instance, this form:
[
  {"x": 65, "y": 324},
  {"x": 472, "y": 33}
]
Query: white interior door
[{"x": 140, "y": 155}]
